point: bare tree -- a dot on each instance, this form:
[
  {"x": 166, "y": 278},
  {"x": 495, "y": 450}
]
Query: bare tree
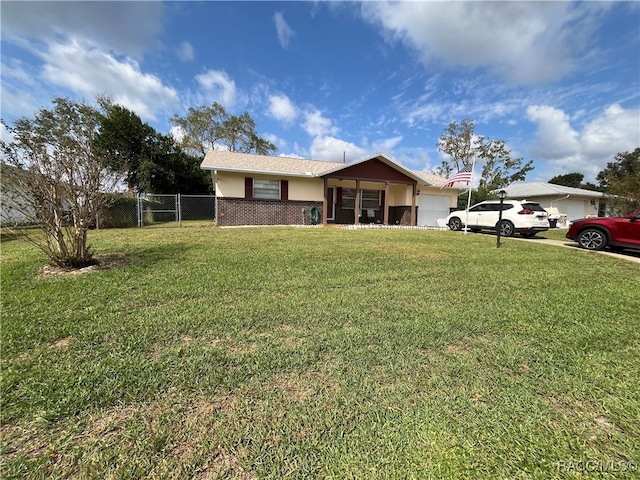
[
  {"x": 209, "y": 127},
  {"x": 56, "y": 181},
  {"x": 461, "y": 147}
]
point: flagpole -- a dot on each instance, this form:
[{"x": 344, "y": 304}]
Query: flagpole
[{"x": 466, "y": 214}]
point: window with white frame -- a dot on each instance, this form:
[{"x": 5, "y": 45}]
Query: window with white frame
[
  {"x": 268, "y": 189},
  {"x": 369, "y": 199}
]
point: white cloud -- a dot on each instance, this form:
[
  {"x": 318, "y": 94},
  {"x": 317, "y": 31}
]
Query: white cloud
[
  {"x": 177, "y": 133},
  {"x": 185, "y": 52},
  {"x": 292, "y": 155},
  {"x": 5, "y": 134},
  {"x": 316, "y": 125},
  {"x": 285, "y": 32},
  {"x": 333, "y": 149},
  {"x": 554, "y": 137},
  {"x": 218, "y": 87},
  {"x": 18, "y": 101},
  {"x": 526, "y": 42},
  {"x": 277, "y": 141},
  {"x": 616, "y": 130},
  {"x": 282, "y": 108},
  {"x": 117, "y": 25},
  {"x": 588, "y": 151},
  {"x": 89, "y": 71},
  {"x": 387, "y": 145}
]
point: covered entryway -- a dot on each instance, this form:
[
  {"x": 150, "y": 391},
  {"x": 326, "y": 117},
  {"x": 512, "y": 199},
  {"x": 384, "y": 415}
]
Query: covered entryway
[
  {"x": 372, "y": 190},
  {"x": 432, "y": 207}
]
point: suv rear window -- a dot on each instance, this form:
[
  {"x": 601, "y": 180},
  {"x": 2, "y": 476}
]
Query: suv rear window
[
  {"x": 533, "y": 206},
  {"x": 495, "y": 207}
]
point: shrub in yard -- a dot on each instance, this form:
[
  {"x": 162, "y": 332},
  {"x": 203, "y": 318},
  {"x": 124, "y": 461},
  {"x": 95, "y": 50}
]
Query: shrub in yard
[
  {"x": 122, "y": 212},
  {"x": 58, "y": 180}
]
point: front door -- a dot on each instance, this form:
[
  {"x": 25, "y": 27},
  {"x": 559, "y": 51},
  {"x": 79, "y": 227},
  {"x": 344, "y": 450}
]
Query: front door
[{"x": 331, "y": 203}]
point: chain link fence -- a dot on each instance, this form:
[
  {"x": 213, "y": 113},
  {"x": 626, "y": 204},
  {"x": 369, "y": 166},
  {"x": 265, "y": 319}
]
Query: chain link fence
[{"x": 146, "y": 210}]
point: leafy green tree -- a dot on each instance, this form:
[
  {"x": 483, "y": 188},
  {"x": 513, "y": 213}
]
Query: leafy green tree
[
  {"x": 574, "y": 180},
  {"x": 458, "y": 143},
  {"x": 153, "y": 162},
  {"x": 58, "y": 181},
  {"x": 461, "y": 146},
  {"x": 569, "y": 180},
  {"x": 620, "y": 180},
  {"x": 206, "y": 128}
]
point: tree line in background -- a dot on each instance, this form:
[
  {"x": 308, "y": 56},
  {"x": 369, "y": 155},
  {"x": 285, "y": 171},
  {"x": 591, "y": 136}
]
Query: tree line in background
[
  {"x": 64, "y": 164},
  {"x": 619, "y": 181}
]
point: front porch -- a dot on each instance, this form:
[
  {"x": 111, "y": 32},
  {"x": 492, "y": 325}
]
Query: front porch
[{"x": 371, "y": 192}]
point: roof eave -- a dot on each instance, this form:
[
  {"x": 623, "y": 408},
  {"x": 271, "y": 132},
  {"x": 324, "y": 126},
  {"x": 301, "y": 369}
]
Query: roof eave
[{"x": 259, "y": 172}]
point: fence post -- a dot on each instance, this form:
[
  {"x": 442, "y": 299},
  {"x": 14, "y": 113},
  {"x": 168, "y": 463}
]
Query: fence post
[
  {"x": 139, "y": 210},
  {"x": 178, "y": 210}
]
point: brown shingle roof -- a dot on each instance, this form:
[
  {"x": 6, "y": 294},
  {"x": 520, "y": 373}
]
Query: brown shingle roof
[
  {"x": 432, "y": 179},
  {"x": 248, "y": 162}
]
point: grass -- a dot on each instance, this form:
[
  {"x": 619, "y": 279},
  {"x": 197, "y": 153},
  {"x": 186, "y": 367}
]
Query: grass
[
  {"x": 555, "y": 234},
  {"x": 319, "y": 353}
]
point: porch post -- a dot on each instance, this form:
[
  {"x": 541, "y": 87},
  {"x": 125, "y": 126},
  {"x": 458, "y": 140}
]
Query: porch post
[
  {"x": 356, "y": 210},
  {"x": 325, "y": 206},
  {"x": 386, "y": 204},
  {"x": 413, "y": 205}
]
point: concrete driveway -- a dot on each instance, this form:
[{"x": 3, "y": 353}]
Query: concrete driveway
[{"x": 630, "y": 255}]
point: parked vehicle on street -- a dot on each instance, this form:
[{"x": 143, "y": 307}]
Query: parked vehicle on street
[
  {"x": 518, "y": 216},
  {"x": 600, "y": 232}
]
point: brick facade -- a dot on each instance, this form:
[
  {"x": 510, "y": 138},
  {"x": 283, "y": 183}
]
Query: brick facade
[
  {"x": 241, "y": 211},
  {"x": 400, "y": 215}
]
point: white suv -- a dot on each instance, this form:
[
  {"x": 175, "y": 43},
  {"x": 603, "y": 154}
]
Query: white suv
[{"x": 526, "y": 218}]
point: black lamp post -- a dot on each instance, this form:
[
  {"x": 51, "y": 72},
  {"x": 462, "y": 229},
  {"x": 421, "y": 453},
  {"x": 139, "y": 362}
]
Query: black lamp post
[{"x": 501, "y": 194}]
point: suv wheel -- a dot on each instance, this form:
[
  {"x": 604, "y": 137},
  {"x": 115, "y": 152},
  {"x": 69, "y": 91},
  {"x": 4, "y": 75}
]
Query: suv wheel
[
  {"x": 506, "y": 228},
  {"x": 455, "y": 224},
  {"x": 592, "y": 239}
]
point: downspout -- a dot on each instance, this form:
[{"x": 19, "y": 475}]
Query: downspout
[
  {"x": 557, "y": 200},
  {"x": 551, "y": 207}
]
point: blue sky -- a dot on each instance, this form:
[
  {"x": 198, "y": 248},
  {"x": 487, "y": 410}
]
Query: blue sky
[{"x": 559, "y": 82}]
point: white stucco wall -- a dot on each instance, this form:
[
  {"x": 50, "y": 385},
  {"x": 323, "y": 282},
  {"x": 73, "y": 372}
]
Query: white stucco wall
[
  {"x": 229, "y": 185},
  {"x": 307, "y": 189}
]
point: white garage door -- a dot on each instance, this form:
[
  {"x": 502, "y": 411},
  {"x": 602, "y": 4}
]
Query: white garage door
[
  {"x": 430, "y": 208},
  {"x": 575, "y": 210}
]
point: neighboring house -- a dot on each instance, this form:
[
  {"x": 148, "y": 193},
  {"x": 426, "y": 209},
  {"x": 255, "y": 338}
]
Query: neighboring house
[
  {"x": 265, "y": 190},
  {"x": 567, "y": 202},
  {"x": 14, "y": 202}
]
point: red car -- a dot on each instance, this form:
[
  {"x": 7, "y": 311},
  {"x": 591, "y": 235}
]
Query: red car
[{"x": 614, "y": 232}]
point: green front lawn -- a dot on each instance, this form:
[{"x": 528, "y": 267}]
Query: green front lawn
[
  {"x": 320, "y": 353},
  {"x": 556, "y": 234}
]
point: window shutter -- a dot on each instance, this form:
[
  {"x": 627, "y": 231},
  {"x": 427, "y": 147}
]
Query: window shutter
[
  {"x": 339, "y": 195},
  {"x": 248, "y": 187},
  {"x": 284, "y": 189},
  {"x": 382, "y": 198}
]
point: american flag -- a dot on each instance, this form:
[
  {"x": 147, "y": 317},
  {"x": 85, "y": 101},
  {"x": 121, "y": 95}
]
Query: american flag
[{"x": 463, "y": 175}]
